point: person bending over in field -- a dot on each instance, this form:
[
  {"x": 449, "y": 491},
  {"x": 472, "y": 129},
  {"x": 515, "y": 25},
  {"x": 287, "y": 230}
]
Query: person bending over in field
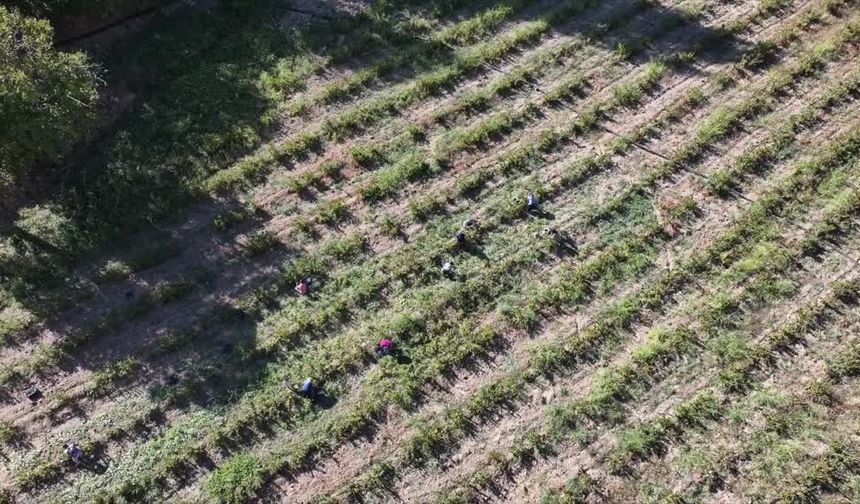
[
  {"x": 307, "y": 389},
  {"x": 74, "y": 452},
  {"x": 532, "y": 202},
  {"x": 384, "y": 347},
  {"x": 304, "y": 286},
  {"x": 460, "y": 235},
  {"x": 559, "y": 239},
  {"x": 448, "y": 270}
]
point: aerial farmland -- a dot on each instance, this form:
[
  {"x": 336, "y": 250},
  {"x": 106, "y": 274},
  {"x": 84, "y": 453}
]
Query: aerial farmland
[{"x": 434, "y": 251}]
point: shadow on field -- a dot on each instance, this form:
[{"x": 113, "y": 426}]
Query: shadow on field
[{"x": 206, "y": 84}]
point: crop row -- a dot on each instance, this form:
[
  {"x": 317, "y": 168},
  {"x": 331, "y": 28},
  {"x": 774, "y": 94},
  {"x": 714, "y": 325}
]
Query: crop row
[
  {"x": 433, "y": 438},
  {"x": 412, "y": 164},
  {"x": 282, "y": 80},
  {"x": 105, "y": 379},
  {"x": 274, "y": 393},
  {"x": 47, "y": 356},
  {"x": 478, "y": 181},
  {"x": 304, "y": 266},
  {"x": 365, "y": 114},
  {"x": 372, "y": 154},
  {"x": 462, "y": 33},
  {"x": 599, "y": 405},
  {"x": 584, "y": 125},
  {"x": 332, "y": 211},
  {"x": 725, "y": 120},
  {"x": 642, "y": 440},
  {"x": 786, "y": 417}
]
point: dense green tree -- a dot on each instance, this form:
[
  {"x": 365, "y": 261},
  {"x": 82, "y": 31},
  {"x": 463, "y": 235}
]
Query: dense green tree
[{"x": 48, "y": 98}]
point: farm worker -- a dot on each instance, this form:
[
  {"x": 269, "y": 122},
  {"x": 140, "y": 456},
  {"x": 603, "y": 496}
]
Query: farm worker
[
  {"x": 74, "y": 452},
  {"x": 560, "y": 239},
  {"x": 532, "y": 201},
  {"x": 448, "y": 269},
  {"x": 384, "y": 347},
  {"x": 303, "y": 286},
  {"x": 307, "y": 388}
]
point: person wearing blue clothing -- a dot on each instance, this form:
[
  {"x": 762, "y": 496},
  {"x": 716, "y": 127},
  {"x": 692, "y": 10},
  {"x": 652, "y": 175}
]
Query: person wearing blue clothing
[
  {"x": 307, "y": 389},
  {"x": 74, "y": 452}
]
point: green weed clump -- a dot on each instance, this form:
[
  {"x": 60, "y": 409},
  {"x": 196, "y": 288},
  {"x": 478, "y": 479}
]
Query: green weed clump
[
  {"x": 300, "y": 184},
  {"x": 230, "y": 218},
  {"x": 167, "y": 292},
  {"x": 389, "y": 226},
  {"x": 386, "y": 181},
  {"x": 13, "y": 321},
  {"x": 332, "y": 212},
  {"x": 376, "y": 480},
  {"x": 343, "y": 249},
  {"x": 422, "y": 209},
  {"x": 847, "y": 364},
  {"x": 332, "y": 168},
  {"x": 112, "y": 374},
  {"x": 366, "y": 155},
  {"x": 571, "y": 86},
  {"x": 9, "y": 433},
  {"x": 631, "y": 93},
  {"x": 576, "y": 490},
  {"x": 261, "y": 242},
  {"x": 236, "y": 479}
]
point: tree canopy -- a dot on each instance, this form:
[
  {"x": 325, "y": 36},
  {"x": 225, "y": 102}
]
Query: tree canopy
[{"x": 48, "y": 98}]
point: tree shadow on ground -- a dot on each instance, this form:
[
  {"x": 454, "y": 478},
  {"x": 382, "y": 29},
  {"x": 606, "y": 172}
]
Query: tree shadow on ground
[{"x": 202, "y": 105}]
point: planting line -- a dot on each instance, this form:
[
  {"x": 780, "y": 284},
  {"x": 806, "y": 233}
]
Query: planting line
[
  {"x": 847, "y": 143},
  {"x": 341, "y": 457}
]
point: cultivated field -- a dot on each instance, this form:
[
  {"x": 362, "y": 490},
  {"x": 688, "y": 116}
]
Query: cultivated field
[{"x": 701, "y": 344}]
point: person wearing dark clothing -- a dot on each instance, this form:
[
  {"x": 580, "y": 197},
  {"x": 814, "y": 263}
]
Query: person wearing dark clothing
[{"x": 74, "y": 452}]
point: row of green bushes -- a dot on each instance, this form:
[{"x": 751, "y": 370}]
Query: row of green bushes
[{"x": 604, "y": 401}]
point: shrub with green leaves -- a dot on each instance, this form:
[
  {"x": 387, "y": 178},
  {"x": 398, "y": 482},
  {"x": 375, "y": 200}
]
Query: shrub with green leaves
[
  {"x": 48, "y": 99},
  {"x": 261, "y": 242},
  {"x": 236, "y": 479},
  {"x": 8, "y": 432}
]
